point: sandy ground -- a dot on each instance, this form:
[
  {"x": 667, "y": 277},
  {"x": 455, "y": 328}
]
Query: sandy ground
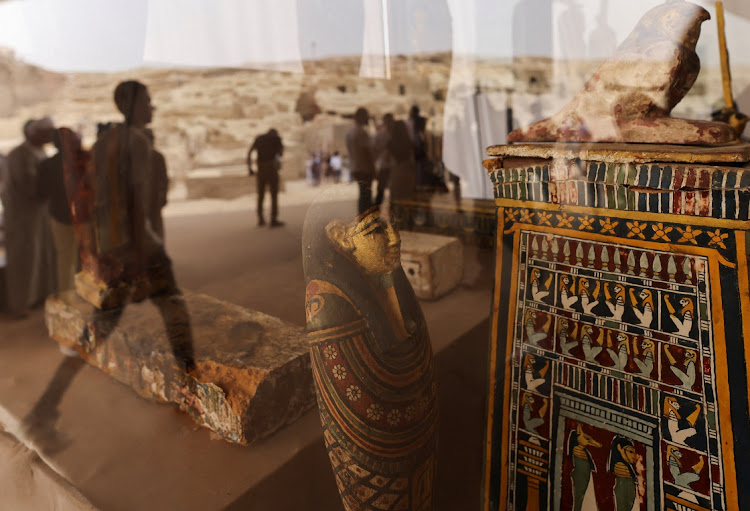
[{"x": 122, "y": 452}]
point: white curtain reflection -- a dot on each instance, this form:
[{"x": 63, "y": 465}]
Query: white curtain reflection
[
  {"x": 239, "y": 33},
  {"x": 376, "y": 58},
  {"x": 471, "y": 121}
]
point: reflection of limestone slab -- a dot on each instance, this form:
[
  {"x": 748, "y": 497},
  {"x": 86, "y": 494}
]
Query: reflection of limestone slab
[
  {"x": 434, "y": 264},
  {"x": 108, "y": 296},
  {"x": 252, "y": 372}
]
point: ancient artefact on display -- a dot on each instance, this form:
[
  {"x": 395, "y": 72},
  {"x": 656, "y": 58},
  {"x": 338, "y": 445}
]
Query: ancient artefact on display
[
  {"x": 620, "y": 339},
  {"x": 620, "y": 342},
  {"x": 629, "y": 98},
  {"x": 372, "y": 361}
]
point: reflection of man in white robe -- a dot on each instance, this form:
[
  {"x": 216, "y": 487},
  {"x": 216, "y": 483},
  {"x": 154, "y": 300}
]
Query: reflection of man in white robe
[
  {"x": 471, "y": 120},
  {"x": 28, "y": 240}
]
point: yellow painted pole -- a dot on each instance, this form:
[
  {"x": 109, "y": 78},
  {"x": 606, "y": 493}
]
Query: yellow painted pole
[{"x": 726, "y": 76}]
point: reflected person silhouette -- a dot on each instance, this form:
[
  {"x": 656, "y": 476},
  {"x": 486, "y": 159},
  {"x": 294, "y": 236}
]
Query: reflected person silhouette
[
  {"x": 123, "y": 259},
  {"x": 384, "y": 158},
  {"x": 602, "y": 39},
  {"x": 372, "y": 360},
  {"x": 28, "y": 241},
  {"x": 51, "y": 186},
  {"x": 361, "y": 157},
  {"x": 129, "y": 254},
  {"x": 404, "y": 172},
  {"x": 39, "y": 425}
]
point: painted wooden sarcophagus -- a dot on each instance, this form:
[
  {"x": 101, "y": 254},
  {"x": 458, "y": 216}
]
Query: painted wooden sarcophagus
[{"x": 620, "y": 328}]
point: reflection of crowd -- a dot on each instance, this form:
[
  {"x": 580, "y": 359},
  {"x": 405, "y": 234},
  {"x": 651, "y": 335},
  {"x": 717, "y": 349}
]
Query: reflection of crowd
[
  {"x": 397, "y": 157},
  {"x": 45, "y": 222},
  {"x": 323, "y": 166},
  {"x": 43, "y": 252}
]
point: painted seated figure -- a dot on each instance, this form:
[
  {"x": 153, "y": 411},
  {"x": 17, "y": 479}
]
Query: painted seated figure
[{"x": 372, "y": 360}]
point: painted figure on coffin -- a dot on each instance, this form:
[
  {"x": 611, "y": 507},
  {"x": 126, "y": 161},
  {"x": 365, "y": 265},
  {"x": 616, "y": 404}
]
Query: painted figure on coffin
[
  {"x": 584, "y": 342},
  {"x": 686, "y": 469},
  {"x": 683, "y": 422},
  {"x": 622, "y": 461},
  {"x": 538, "y": 328},
  {"x": 601, "y": 470},
  {"x": 372, "y": 361},
  {"x": 579, "y": 443},
  {"x": 680, "y": 368},
  {"x": 535, "y": 373},
  {"x": 678, "y": 315},
  {"x": 566, "y": 335},
  {"x": 644, "y": 356},
  {"x": 540, "y": 285}
]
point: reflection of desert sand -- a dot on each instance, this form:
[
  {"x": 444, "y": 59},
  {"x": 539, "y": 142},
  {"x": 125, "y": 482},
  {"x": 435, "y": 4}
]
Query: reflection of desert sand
[{"x": 206, "y": 119}]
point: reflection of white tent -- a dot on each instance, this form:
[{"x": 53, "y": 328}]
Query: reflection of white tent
[
  {"x": 376, "y": 50},
  {"x": 238, "y": 33},
  {"x": 739, "y": 7},
  {"x": 470, "y": 122}
]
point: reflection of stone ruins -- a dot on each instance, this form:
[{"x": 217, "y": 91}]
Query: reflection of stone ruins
[{"x": 372, "y": 363}]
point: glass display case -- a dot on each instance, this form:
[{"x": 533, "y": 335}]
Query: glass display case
[{"x": 373, "y": 254}]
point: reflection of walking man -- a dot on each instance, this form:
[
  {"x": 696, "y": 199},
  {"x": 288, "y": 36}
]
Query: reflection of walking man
[{"x": 270, "y": 149}]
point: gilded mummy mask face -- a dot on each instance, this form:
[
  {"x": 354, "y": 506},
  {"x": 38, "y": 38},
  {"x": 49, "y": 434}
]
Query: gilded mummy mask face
[{"x": 370, "y": 240}]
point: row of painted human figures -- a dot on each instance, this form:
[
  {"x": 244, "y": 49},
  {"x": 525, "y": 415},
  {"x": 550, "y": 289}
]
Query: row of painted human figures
[
  {"x": 616, "y": 297},
  {"x": 627, "y": 353},
  {"x": 629, "y": 474}
]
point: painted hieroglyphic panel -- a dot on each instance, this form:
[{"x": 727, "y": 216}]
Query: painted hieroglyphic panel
[{"x": 612, "y": 369}]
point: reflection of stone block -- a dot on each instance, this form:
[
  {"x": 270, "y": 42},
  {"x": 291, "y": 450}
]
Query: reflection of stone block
[
  {"x": 433, "y": 264},
  {"x": 252, "y": 373},
  {"x": 108, "y": 296}
]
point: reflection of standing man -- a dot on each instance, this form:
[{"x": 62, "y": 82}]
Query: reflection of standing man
[
  {"x": 270, "y": 149},
  {"x": 385, "y": 161},
  {"x": 361, "y": 159},
  {"x": 27, "y": 232},
  {"x": 418, "y": 131},
  {"x": 51, "y": 186},
  {"x": 335, "y": 164}
]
